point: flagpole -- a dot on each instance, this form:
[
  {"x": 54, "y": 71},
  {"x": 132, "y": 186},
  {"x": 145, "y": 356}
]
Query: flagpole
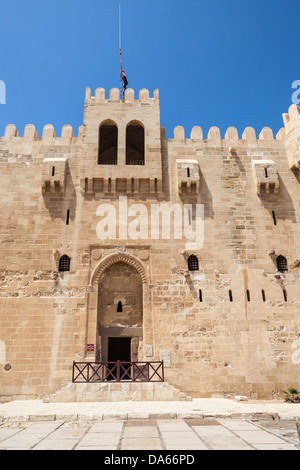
[{"x": 120, "y": 48}]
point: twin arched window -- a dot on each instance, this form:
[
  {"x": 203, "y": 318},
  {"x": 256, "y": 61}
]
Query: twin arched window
[{"x": 108, "y": 144}]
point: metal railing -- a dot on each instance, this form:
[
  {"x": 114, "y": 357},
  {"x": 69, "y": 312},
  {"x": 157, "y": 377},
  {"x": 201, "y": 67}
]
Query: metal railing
[
  {"x": 135, "y": 162},
  {"x": 87, "y": 372}
]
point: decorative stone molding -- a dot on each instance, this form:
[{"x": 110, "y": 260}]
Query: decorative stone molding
[{"x": 117, "y": 258}]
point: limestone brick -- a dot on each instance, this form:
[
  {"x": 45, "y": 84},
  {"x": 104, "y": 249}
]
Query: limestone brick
[{"x": 230, "y": 327}]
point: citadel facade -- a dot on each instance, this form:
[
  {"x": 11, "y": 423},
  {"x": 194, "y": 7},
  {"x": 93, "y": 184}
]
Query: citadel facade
[{"x": 221, "y": 313}]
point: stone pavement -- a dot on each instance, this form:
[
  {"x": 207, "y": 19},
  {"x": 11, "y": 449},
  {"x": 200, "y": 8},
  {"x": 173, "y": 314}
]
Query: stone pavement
[
  {"x": 202, "y": 424},
  {"x": 133, "y": 435},
  {"x": 197, "y": 408}
]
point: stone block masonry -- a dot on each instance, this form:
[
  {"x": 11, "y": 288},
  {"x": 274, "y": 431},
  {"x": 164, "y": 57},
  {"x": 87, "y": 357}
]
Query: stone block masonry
[{"x": 225, "y": 325}]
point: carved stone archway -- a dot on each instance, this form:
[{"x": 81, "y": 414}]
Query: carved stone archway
[
  {"x": 93, "y": 299},
  {"x": 117, "y": 258}
]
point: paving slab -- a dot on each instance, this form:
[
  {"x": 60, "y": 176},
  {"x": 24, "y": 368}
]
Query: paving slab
[
  {"x": 140, "y": 432},
  {"x": 226, "y": 443},
  {"x": 97, "y": 448},
  {"x": 6, "y": 433},
  {"x": 259, "y": 437},
  {"x": 141, "y": 444},
  {"x": 173, "y": 426},
  {"x": 56, "y": 444},
  {"x": 107, "y": 427},
  {"x": 100, "y": 439},
  {"x": 68, "y": 433},
  {"x": 212, "y": 431},
  {"x": 237, "y": 425},
  {"x": 42, "y": 428},
  {"x": 269, "y": 447},
  {"x": 20, "y": 440},
  {"x": 173, "y": 434}
]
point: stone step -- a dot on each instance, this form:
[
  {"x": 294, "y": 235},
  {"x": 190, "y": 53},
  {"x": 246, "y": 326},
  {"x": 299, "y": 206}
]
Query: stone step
[{"x": 113, "y": 392}]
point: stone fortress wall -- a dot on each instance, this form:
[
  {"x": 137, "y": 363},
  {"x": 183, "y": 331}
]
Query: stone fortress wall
[{"x": 228, "y": 327}]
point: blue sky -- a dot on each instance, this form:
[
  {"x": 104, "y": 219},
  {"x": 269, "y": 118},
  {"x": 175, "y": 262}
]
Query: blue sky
[{"x": 218, "y": 63}]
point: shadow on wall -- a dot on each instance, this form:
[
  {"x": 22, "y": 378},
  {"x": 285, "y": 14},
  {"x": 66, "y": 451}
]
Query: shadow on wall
[
  {"x": 280, "y": 206},
  {"x": 62, "y": 205},
  {"x": 204, "y": 197}
]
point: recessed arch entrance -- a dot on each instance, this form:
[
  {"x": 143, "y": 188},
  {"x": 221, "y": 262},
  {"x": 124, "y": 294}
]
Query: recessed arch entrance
[
  {"x": 119, "y": 309},
  {"x": 120, "y": 314}
]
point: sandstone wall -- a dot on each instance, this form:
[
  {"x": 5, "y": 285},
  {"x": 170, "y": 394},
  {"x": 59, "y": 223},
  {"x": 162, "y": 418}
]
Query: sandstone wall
[{"x": 230, "y": 327}]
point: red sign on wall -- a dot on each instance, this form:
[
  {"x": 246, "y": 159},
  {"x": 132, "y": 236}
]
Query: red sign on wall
[{"x": 90, "y": 348}]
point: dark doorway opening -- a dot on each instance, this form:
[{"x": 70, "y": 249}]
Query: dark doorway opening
[{"x": 119, "y": 349}]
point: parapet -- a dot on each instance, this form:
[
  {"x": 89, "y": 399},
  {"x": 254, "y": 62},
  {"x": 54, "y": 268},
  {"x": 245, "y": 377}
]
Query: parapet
[
  {"x": 49, "y": 136},
  {"x": 115, "y": 96},
  {"x": 214, "y": 135}
]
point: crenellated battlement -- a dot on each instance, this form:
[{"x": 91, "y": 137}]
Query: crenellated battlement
[
  {"x": 115, "y": 96},
  {"x": 49, "y": 136},
  {"x": 231, "y": 134}
]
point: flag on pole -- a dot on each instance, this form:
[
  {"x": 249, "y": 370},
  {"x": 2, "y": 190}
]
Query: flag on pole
[{"x": 125, "y": 82}]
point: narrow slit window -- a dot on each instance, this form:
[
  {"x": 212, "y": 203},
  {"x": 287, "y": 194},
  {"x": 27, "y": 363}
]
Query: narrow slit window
[
  {"x": 193, "y": 263},
  {"x": 188, "y": 173},
  {"x": 64, "y": 264},
  {"x": 266, "y": 173},
  {"x": 53, "y": 171},
  {"x": 263, "y": 294},
  {"x": 120, "y": 307},
  {"x": 68, "y": 217},
  {"x": 285, "y": 295},
  {"x": 248, "y": 295},
  {"x": 230, "y": 296},
  {"x": 274, "y": 218},
  {"x": 200, "y": 296}
]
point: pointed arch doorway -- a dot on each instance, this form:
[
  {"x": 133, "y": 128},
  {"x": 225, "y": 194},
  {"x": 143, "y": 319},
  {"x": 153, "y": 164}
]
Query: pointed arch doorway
[{"x": 120, "y": 314}]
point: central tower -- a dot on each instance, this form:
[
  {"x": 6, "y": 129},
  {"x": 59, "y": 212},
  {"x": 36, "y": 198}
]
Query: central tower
[{"x": 121, "y": 143}]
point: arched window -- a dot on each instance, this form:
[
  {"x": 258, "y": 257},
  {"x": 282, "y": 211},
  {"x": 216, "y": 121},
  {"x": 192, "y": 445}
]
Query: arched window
[
  {"x": 64, "y": 264},
  {"x": 108, "y": 144},
  {"x": 120, "y": 307},
  {"x": 282, "y": 264},
  {"x": 193, "y": 263},
  {"x": 135, "y": 144}
]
